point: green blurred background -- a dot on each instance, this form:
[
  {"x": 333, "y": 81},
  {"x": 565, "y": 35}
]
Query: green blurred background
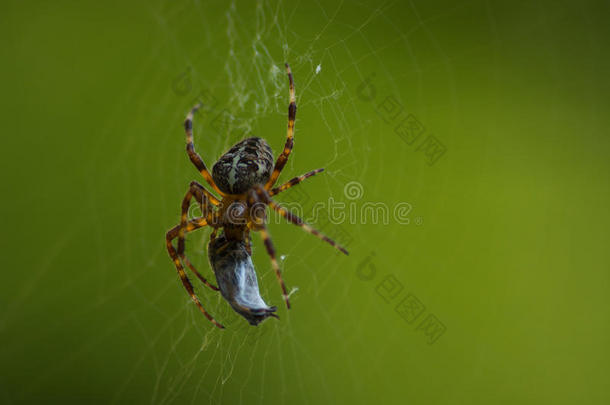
[{"x": 505, "y": 252}]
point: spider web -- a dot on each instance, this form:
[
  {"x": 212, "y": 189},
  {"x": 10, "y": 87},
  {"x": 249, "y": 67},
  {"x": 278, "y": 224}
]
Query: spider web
[
  {"x": 255, "y": 365},
  {"x": 182, "y": 356},
  {"x": 114, "y": 322},
  {"x": 226, "y": 366}
]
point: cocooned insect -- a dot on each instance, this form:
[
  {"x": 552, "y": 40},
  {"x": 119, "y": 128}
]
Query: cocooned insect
[{"x": 236, "y": 278}]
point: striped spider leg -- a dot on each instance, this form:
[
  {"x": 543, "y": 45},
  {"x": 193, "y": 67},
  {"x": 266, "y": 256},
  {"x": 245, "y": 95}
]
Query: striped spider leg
[
  {"x": 259, "y": 197},
  {"x": 293, "y": 182},
  {"x": 193, "y": 155},
  {"x": 207, "y": 201},
  {"x": 292, "y": 113}
]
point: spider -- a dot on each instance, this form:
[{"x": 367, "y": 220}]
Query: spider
[{"x": 244, "y": 177}]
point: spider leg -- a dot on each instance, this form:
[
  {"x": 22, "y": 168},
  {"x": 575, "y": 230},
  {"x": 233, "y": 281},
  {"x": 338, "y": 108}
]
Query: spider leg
[
  {"x": 192, "y": 225},
  {"x": 205, "y": 199},
  {"x": 187, "y": 283},
  {"x": 248, "y": 242},
  {"x": 296, "y": 220},
  {"x": 293, "y": 182},
  {"x": 271, "y": 251},
  {"x": 193, "y": 155},
  {"x": 292, "y": 112},
  {"x": 269, "y": 247}
]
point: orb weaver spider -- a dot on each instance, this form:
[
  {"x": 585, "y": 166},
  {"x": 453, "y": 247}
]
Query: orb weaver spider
[{"x": 244, "y": 178}]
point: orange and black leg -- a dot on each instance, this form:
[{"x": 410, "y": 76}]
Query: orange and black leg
[
  {"x": 292, "y": 113},
  {"x": 259, "y": 224},
  {"x": 206, "y": 201},
  {"x": 186, "y": 282},
  {"x": 293, "y": 182},
  {"x": 296, "y": 220},
  {"x": 193, "y": 155},
  {"x": 192, "y": 225}
]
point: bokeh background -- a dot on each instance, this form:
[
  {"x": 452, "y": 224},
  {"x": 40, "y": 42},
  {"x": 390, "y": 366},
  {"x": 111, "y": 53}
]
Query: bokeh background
[{"x": 488, "y": 119}]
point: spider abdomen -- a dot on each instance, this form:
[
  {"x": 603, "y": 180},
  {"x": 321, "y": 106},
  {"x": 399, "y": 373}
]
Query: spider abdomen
[{"x": 247, "y": 163}]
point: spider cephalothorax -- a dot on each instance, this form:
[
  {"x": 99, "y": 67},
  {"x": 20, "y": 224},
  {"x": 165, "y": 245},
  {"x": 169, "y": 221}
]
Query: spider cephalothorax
[{"x": 244, "y": 178}]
